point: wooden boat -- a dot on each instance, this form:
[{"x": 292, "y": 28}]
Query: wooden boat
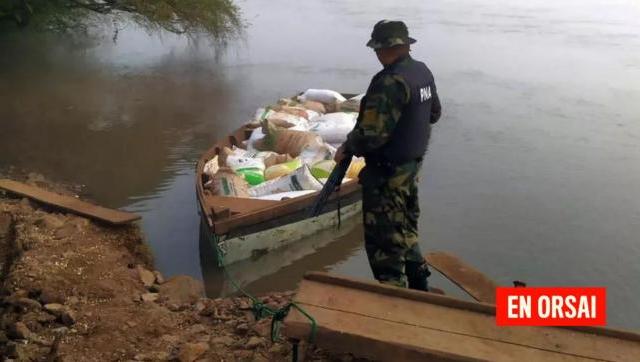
[{"x": 245, "y": 228}]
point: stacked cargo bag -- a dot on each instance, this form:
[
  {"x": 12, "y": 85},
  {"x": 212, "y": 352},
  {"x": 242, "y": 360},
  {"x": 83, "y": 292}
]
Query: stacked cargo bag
[
  {"x": 290, "y": 150},
  {"x": 227, "y": 183},
  {"x": 251, "y": 168},
  {"x": 333, "y": 127},
  {"x": 300, "y": 179},
  {"x": 286, "y": 141}
]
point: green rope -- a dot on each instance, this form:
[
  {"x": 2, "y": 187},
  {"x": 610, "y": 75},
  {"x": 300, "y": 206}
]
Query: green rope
[{"x": 261, "y": 310}]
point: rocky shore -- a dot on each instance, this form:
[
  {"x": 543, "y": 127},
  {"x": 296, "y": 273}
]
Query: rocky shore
[{"x": 74, "y": 290}]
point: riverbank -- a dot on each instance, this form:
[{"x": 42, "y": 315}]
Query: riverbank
[{"x": 74, "y": 290}]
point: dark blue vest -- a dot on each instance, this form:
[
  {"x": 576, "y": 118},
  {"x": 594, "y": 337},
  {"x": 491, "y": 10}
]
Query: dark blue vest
[{"x": 410, "y": 137}]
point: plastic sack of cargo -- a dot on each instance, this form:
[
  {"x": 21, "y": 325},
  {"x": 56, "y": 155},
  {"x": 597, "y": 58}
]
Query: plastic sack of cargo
[
  {"x": 262, "y": 113},
  {"x": 314, "y": 106},
  {"x": 287, "y": 102},
  {"x": 324, "y": 180},
  {"x": 251, "y": 168},
  {"x": 300, "y": 179},
  {"x": 226, "y": 152},
  {"x": 322, "y": 169},
  {"x": 275, "y": 158},
  {"x": 286, "y": 195},
  {"x": 325, "y": 96},
  {"x": 351, "y": 104},
  {"x": 311, "y": 155},
  {"x": 357, "y": 164},
  {"x": 334, "y": 127},
  {"x": 293, "y": 110},
  {"x": 286, "y": 120},
  {"x": 281, "y": 169},
  {"x": 283, "y": 141},
  {"x": 227, "y": 183},
  {"x": 237, "y": 162},
  {"x": 256, "y": 134},
  {"x": 211, "y": 167}
]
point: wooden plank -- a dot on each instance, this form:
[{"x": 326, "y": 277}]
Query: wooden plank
[
  {"x": 382, "y": 322},
  {"x": 238, "y": 205},
  {"x": 68, "y": 203},
  {"x": 469, "y": 279}
]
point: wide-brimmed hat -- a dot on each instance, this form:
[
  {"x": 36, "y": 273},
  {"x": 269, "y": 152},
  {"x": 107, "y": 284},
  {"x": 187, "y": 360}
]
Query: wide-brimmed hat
[{"x": 388, "y": 33}]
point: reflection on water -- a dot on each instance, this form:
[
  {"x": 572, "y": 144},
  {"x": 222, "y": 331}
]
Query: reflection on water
[
  {"x": 282, "y": 269},
  {"x": 532, "y": 174}
]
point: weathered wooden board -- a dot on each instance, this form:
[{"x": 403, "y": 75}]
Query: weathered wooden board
[
  {"x": 386, "y": 323},
  {"x": 70, "y": 204},
  {"x": 469, "y": 279}
]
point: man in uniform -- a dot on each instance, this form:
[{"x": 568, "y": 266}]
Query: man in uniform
[{"x": 392, "y": 133}]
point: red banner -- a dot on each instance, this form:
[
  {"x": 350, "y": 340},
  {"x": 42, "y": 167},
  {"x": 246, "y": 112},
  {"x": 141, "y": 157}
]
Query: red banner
[{"x": 552, "y": 306}]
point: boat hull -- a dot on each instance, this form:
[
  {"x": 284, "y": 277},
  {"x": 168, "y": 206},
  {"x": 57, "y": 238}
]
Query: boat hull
[{"x": 252, "y": 246}]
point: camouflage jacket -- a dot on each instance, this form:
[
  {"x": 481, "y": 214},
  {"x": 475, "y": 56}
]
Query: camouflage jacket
[{"x": 379, "y": 113}]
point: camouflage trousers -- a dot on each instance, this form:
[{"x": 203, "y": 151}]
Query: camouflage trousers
[{"x": 390, "y": 212}]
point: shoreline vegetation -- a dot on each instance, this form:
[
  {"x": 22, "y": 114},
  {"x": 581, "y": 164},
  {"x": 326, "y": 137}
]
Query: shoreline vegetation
[
  {"x": 219, "y": 19},
  {"x": 72, "y": 289}
]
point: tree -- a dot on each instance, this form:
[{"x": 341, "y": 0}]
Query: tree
[{"x": 218, "y": 18}]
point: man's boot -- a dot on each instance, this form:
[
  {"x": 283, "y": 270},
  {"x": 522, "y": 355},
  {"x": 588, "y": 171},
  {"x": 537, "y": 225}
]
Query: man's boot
[{"x": 417, "y": 274}]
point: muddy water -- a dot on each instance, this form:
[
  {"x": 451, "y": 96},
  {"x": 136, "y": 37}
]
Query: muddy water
[{"x": 533, "y": 172}]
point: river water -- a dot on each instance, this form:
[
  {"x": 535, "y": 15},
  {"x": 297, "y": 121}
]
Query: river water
[{"x": 533, "y": 172}]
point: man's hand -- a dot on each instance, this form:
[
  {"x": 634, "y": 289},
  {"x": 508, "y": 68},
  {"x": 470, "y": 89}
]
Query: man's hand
[{"x": 340, "y": 155}]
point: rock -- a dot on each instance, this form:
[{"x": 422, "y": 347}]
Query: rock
[
  {"x": 131, "y": 324},
  {"x": 65, "y": 315},
  {"x": 159, "y": 277},
  {"x": 5, "y": 224},
  {"x": 149, "y": 297},
  {"x": 190, "y": 352},
  {"x": 347, "y": 358},
  {"x": 197, "y": 329},
  {"x": 49, "y": 296},
  {"x": 43, "y": 318},
  {"x": 243, "y": 355},
  {"x": 222, "y": 340},
  {"x": 277, "y": 348},
  {"x": 34, "y": 178},
  {"x": 262, "y": 328},
  {"x": 242, "y": 329},
  {"x": 25, "y": 202},
  {"x": 146, "y": 276},
  {"x": 54, "y": 308},
  {"x": 167, "y": 338},
  {"x": 199, "y": 307},
  {"x": 49, "y": 221},
  {"x": 65, "y": 231},
  {"x": 79, "y": 222},
  {"x": 27, "y": 304},
  {"x": 23, "y": 352},
  {"x": 152, "y": 356},
  {"x": 60, "y": 330},
  {"x": 68, "y": 317},
  {"x": 174, "y": 307},
  {"x": 254, "y": 342},
  {"x": 182, "y": 289},
  {"x": 244, "y": 304},
  {"x": 19, "y": 330},
  {"x": 259, "y": 358},
  {"x": 20, "y": 293}
]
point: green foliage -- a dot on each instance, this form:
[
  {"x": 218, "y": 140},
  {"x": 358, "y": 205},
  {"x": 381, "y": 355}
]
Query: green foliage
[{"x": 218, "y": 18}]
